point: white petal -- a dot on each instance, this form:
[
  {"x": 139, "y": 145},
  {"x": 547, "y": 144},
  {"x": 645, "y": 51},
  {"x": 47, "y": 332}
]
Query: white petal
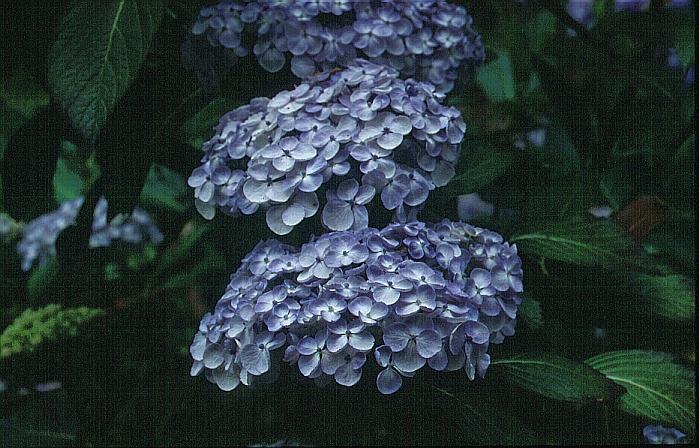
[
  {"x": 293, "y": 214},
  {"x": 275, "y": 222}
]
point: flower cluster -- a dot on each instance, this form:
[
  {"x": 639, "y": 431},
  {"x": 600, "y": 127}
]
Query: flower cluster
[
  {"x": 132, "y": 229},
  {"x": 409, "y": 295},
  {"x": 39, "y": 235},
  {"x": 389, "y": 137},
  {"x": 34, "y": 327},
  {"x": 429, "y": 40},
  {"x": 660, "y": 435}
]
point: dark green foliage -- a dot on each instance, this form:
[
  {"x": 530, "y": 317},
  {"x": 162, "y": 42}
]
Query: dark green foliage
[
  {"x": 555, "y": 377},
  {"x": 656, "y": 386},
  {"x": 96, "y": 56}
]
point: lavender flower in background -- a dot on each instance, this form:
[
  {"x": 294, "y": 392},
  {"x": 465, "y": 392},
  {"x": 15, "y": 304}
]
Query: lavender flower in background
[
  {"x": 39, "y": 236},
  {"x": 390, "y": 139},
  {"x": 414, "y": 294},
  {"x": 134, "y": 229},
  {"x": 470, "y": 206},
  {"x": 581, "y": 11},
  {"x": 427, "y": 40},
  {"x": 678, "y": 4},
  {"x": 631, "y": 5},
  {"x": 659, "y": 435},
  {"x": 601, "y": 211}
]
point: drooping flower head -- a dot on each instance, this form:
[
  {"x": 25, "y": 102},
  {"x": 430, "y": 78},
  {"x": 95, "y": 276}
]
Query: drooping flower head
[
  {"x": 407, "y": 296},
  {"x": 359, "y": 133},
  {"x": 660, "y": 435},
  {"x": 428, "y": 40},
  {"x": 39, "y": 236}
]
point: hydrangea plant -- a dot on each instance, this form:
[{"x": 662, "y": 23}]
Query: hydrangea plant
[
  {"x": 38, "y": 242},
  {"x": 362, "y": 130},
  {"x": 408, "y": 295},
  {"x": 428, "y": 40}
]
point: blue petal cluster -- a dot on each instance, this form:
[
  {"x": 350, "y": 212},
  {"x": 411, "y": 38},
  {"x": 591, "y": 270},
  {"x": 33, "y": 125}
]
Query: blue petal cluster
[
  {"x": 39, "y": 236},
  {"x": 659, "y": 435},
  {"x": 135, "y": 229},
  {"x": 429, "y": 40},
  {"x": 384, "y": 136},
  {"x": 408, "y": 295}
]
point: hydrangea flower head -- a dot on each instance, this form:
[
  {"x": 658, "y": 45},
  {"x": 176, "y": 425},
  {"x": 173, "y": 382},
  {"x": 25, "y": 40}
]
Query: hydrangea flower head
[
  {"x": 359, "y": 133},
  {"x": 404, "y": 297},
  {"x": 427, "y": 40},
  {"x": 659, "y": 435}
]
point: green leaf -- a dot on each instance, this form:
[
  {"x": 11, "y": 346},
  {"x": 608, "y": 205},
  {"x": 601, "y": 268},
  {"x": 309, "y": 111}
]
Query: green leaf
[
  {"x": 541, "y": 28},
  {"x": 165, "y": 188},
  {"x": 684, "y": 42},
  {"x": 195, "y": 231},
  {"x": 656, "y": 387},
  {"x": 40, "y": 280},
  {"x": 67, "y": 183},
  {"x": 670, "y": 296},
  {"x": 73, "y": 176},
  {"x": 556, "y": 377},
  {"x": 479, "y": 166},
  {"x": 21, "y": 94},
  {"x": 199, "y": 128},
  {"x": 97, "y": 54},
  {"x": 530, "y": 312},
  {"x": 576, "y": 242},
  {"x": 212, "y": 260},
  {"x": 497, "y": 79},
  {"x": 20, "y": 99},
  {"x": 558, "y": 153},
  {"x": 485, "y": 425}
]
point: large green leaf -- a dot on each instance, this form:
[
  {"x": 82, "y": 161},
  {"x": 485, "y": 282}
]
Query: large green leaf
[
  {"x": 165, "y": 188},
  {"x": 479, "y": 166},
  {"x": 591, "y": 244},
  {"x": 497, "y": 79},
  {"x": 668, "y": 295},
  {"x": 97, "y": 54},
  {"x": 485, "y": 424},
  {"x": 656, "y": 387},
  {"x": 556, "y": 377},
  {"x": 73, "y": 176}
]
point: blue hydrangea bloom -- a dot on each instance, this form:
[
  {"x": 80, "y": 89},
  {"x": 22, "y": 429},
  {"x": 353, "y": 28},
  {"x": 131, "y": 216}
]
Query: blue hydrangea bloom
[
  {"x": 39, "y": 236},
  {"x": 386, "y": 138},
  {"x": 389, "y": 138},
  {"x": 659, "y": 435},
  {"x": 429, "y": 40},
  {"x": 406, "y": 296}
]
